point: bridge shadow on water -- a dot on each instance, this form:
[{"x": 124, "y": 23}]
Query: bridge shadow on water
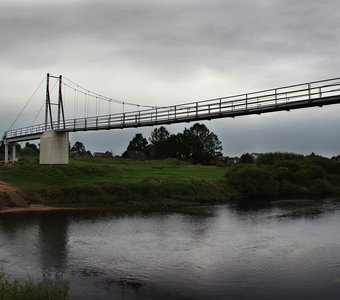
[{"x": 53, "y": 244}]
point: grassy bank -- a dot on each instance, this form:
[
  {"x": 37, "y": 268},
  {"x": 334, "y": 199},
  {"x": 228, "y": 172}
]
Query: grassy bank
[
  {"x": 125, "y": 184},
  {"x": 28, "y": 290},
  {"x": 118, "y": 183}
]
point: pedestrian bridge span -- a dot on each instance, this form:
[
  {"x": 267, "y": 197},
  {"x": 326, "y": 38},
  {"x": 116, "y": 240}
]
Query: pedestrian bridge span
[{"x": 304, "y": 95}]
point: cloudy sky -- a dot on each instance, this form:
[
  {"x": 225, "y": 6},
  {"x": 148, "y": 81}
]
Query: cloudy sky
[{"x": 169, "y": 52}]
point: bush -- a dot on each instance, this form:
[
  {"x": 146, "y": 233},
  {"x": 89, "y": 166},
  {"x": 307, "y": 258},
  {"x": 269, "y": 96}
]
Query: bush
[
  {"x": 290, "y": 189},
  {"x": 287, "y": 175},
  {"x": 322, "y": 187},
  {"x": 253, "y": 181},
  {"x": 29, "y": 290},
  {"x": 247, "y": 159}
]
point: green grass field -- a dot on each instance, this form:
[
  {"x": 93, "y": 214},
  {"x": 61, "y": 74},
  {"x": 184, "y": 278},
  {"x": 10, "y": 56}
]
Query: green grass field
[
  {"x": 121, "y": 183},
  {"x": 117, "y": 183},
  {"x": 28, "y": 174}
]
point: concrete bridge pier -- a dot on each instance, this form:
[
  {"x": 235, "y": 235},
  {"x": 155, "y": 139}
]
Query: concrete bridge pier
[
  {"x": 54, "y": 148},
  {"x": 14, "y": 152},
  {"x": 6, "y": 152}
]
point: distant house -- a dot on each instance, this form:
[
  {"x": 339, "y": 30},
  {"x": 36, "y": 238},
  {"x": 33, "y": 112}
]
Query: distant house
[
  {"x": 255, "y": 155},
  {"x": 231, "y": 160},
  {"x": 106, "y": 154}
]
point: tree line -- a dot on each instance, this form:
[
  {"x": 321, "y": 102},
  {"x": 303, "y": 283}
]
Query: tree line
[
  {"x": 285, "y": 175},
  {"x": 196, "y": 144}
]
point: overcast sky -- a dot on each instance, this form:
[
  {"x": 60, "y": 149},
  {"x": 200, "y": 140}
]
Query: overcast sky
[{"x": 169, "y": 52}]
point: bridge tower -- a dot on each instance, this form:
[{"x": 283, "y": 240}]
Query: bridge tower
[{"x": 54, "y": 142}]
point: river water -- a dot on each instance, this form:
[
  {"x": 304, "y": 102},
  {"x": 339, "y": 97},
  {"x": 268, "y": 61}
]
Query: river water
[{"x": 283, "y": 251}]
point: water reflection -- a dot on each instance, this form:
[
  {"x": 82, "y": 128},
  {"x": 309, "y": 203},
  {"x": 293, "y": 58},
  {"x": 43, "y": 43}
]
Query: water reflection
[
  {"x": 53, "y": 243},
  {"x": 238, "y": 251},
  {"x": 283, "y": 209}
]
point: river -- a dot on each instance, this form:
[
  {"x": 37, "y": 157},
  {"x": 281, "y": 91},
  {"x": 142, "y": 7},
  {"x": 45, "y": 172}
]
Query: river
[{"x": 282, "y": 250}]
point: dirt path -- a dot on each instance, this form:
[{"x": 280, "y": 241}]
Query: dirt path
[
  {"x": 12, "y": 194},
  {"x": 5, "y": 187},
  {"x": 20, "y": 204}
]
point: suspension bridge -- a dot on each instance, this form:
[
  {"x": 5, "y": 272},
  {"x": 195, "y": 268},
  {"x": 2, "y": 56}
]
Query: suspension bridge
[{"x": 53, "y": 132}]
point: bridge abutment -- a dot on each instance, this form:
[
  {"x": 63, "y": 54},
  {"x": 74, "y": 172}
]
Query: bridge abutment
[{"x": 54, "y": 148}]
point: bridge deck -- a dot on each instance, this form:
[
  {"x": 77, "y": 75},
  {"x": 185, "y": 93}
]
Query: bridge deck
[{"x": 319, "y": 93}]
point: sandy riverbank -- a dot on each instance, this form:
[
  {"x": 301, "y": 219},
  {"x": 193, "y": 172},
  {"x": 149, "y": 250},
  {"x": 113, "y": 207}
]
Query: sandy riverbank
[{"x": 36, "y": 208}]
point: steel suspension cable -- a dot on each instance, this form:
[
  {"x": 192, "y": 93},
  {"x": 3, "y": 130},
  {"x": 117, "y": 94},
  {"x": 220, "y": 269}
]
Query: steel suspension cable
[
  {"x": 29, "y": 100},
  {"x": 37, "y": 115},
  {"x": 101, "y": 97}
]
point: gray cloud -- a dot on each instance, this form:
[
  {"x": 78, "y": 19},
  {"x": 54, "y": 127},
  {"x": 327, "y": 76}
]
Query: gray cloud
[
  {"x": 176, "y": 35},
  {"x": 164, "y": 52}
]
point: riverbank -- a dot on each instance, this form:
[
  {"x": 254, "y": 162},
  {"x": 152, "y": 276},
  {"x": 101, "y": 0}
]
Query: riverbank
[
  {"x": 34, "y": 208},
  {"x": 116, "y": 184},
  {"x": 126, "y": 185}
]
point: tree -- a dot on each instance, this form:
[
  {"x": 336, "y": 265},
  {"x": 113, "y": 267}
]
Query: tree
[
  {"x": 159, "y": 135},
  {"x": 138, "y": 148},
  {"x": 247, "y": 158},
  {"x": 160, "y": 142},
  {"x": 79, "y": 148},
  {"x": 29, "y": 149},
  {"x": 200, "y": 145},
  {"x": 138, "y": 143},
  {"x": 2, "y": 147},
  {"x": 196, "y": 144},
  {"x": 173, "y": 146}
]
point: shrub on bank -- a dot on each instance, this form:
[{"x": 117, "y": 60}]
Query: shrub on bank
[
  {"x": 28, "y": 290},
  {"x": 253, "y": 181},
  {"x": 145, "y": 194},
  {"x": 286, "y": 175}
]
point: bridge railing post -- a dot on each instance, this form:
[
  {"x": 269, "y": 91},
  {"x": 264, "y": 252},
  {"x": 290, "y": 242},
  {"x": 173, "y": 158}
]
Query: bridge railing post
[{"x": 309, "y": 92}]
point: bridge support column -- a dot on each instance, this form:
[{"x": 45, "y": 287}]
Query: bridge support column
[
  {"x": 14, "y": 153},
  {"x": 54, "y": 148},
  {"x": 6, "y": 152}
]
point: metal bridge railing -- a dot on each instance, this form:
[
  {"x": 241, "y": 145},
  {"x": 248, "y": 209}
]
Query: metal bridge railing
[{"x": 273, "y": 99}]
